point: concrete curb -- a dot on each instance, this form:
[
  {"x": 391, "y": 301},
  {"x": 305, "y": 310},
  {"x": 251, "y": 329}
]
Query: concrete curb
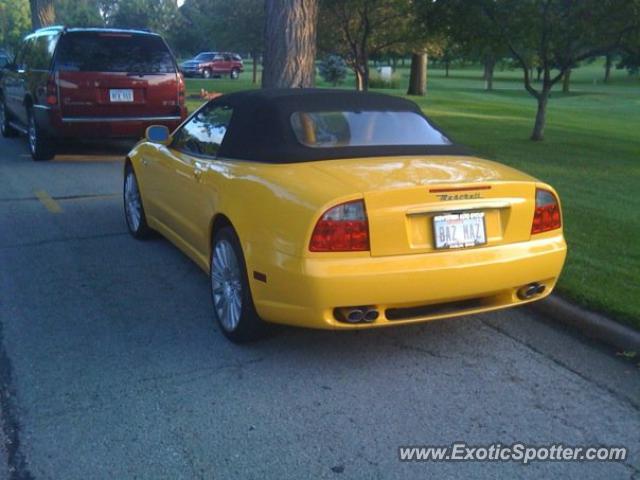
[{"x": 591, "y": 324}]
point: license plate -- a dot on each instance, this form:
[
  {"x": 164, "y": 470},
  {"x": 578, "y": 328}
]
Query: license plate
[
  {"x": 459, "y": 230},
  {"x": 121, "y": 95}
]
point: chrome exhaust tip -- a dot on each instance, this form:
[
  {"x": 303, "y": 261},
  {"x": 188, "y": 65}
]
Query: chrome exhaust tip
[
  {"x": 351, "y": 315},
  {"x": 356, "y": 314},
  {"x": 531, "y": 290},
  {"x": 371, "y": 315}
]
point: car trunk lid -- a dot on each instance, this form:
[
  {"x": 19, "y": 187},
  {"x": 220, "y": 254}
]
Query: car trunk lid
[{"x": 403, "y": 195}]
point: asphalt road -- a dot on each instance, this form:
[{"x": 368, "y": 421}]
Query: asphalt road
[{"x": 112, "y": 366}]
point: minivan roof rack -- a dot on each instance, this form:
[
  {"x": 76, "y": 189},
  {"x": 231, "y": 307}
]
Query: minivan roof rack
[{"x": 51, "y": 27}]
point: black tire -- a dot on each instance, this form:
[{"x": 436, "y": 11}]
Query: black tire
[
  {"x": 235, "y": 74},
  {"x": 206, "y": 73},
  {"x": 41, "y": 146},
  {"x": 249, "y": 326},
  {"x": 138, "y": 229},
  {"x": 5, "y": 128}
]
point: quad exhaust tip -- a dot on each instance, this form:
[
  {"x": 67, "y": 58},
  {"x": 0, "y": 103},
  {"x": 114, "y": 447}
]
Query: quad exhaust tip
[
  {"x": 357, "y": 314},
  {"x": 531, "y": 290}
]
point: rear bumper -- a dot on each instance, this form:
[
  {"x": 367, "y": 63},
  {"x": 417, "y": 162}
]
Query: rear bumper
[
  {"x": 58, "y": 126},
  {"x": 467, "y": 281}
]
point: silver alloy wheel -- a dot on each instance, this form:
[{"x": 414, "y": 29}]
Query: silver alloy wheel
[
  {"x": 226, "y": 285},
  {"x": 132, "y": 203},
  {"x": 206, "y": 73},
  {"x": 33, "y": 134}
]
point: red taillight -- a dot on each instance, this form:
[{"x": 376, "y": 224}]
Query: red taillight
[
  {"x": 52, "y": 91},
  {"x": 181, "y": 90},
  {"x": 547, "y": 214},
  {"x": 343, "y": 228}
]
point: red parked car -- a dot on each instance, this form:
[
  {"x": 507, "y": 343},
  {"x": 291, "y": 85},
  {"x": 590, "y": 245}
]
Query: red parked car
[
  {"x": 89, "y": 82},
  {"x": 213, "y": 64}
]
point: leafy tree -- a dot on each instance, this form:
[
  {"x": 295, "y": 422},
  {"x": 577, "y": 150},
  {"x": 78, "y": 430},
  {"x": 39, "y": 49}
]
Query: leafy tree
[
  {"x": 561, "y": 33},
  {"x": 239, "y": 26},
  {"x": 79, "y": 13},
  {"x": 15, "y": 22},
  {"x": 360, "y": 29},
  {"x": 464, "y": 32},
  {"x": 192, "y": 31},
  {"x": 156, "y": 15},
  {"x": 290, "y": 43},
  {"x": 630, "y": 54},
  {"x": 43, "y": 13},
  {"x": 333, "y": 69}
]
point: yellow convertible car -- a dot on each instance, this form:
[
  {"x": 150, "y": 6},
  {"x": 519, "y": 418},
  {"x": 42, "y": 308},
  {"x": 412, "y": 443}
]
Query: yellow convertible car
[{"x": 341, "y": 210}]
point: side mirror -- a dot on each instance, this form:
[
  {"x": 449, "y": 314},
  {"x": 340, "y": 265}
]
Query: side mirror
[{"x": 158, "y": 134}]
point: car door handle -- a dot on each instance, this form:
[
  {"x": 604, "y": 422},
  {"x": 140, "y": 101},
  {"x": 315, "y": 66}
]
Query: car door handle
[{"x": 145, "y": 161}]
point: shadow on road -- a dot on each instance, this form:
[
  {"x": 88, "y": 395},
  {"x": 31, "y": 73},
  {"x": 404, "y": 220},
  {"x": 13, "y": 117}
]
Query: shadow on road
[{"x": 93, "y": 151}]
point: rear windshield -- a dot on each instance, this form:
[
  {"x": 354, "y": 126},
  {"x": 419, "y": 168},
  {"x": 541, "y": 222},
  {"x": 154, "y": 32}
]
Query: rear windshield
[
  {"x": 113, "y": 52},
  {"x": 364, "y": 129}
]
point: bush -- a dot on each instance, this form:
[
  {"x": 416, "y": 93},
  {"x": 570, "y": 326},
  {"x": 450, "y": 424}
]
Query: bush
[
  {"x": 375, "y": 81},
  {"x": 333, "y": 69}
]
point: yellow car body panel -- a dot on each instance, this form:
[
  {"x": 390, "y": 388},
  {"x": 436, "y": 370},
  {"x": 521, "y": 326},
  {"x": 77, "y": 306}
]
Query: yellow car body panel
[{"x": 274, "y": 208}]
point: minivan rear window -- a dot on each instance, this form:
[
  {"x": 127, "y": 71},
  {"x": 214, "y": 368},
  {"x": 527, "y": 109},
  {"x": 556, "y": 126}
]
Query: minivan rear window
[{"x": 113, "y": 52}]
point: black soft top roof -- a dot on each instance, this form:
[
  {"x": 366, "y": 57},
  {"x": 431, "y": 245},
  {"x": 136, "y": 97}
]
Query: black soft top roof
[{"x": 260, "y": 128}]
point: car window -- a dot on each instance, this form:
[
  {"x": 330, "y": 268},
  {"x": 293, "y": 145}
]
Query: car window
[
  {"x": 364, "y": 128},
  {"x": 23, "y": 53},
  {"x": 227, "y": 58},
  {"x": 113, "y": 52},
  {"x": 204, "y": 57},
  {"x": 42, "y": 51},
  {"x": 217, "y": 58},
  {"x": 203, "y": 134}
]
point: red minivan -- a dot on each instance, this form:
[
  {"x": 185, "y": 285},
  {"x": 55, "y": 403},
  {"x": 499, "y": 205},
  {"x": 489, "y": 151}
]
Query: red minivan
[{"x": 89, "y": 83}]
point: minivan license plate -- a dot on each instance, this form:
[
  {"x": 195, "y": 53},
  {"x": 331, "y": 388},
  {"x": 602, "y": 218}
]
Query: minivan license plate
[
  {"x": 121, "y": 95},
  {"x": 459, "y": 230}
]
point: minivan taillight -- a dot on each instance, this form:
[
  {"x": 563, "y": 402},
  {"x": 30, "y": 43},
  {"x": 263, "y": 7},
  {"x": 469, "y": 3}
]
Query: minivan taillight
[
  {"x": 547, "y": 214},
  {"x": 343, "y": 228},
  {"x": 181, "y": 89},
  {"x": 52, "y": 91}
]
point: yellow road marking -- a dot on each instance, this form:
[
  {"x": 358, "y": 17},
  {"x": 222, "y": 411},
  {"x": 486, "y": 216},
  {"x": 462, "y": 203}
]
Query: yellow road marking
[{"x": 49, "y": 203}]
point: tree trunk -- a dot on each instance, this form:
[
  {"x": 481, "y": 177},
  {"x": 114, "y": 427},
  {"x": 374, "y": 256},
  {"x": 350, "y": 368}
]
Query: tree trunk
[
  {"x": 418, "y": 74},
  {"x": 539, "y": 70},
  {"x": 489, "y": 67},
  {"x": 290, "y": 43},
  {"x": 43, "y": 13},
  {"x": 607, "y": 67},
  {"x": 359, "y": 80},
  {"x": 402, "y": 60},
  {"x": 394, "y": 63},
  {"x": 541, "y": 114},
  {"x": 254, "y": 57},
  {"x": 362, "y": 75},
  {"x": 566, "y": 82}
]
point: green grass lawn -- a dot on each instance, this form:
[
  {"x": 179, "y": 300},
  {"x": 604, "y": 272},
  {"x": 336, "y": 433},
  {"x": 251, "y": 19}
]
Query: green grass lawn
[{"x": 591, "y": 155}]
